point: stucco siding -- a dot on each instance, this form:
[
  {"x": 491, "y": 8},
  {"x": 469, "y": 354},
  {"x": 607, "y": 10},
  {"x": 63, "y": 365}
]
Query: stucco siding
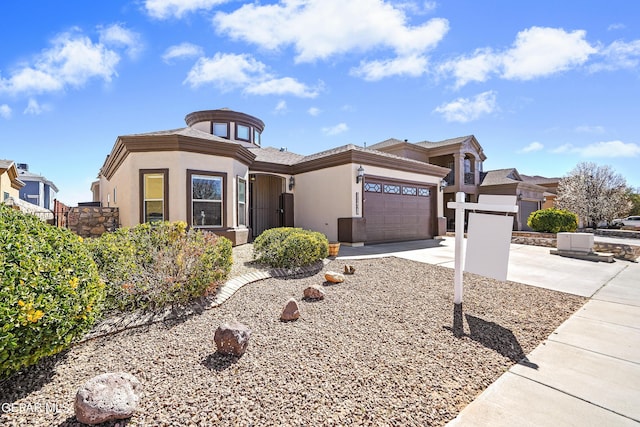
[
  {"x": 323, "y": 196},
  {"x": 126, "y": 180}
]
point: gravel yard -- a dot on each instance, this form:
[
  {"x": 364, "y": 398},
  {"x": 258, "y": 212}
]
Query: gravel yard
[{"x": 380, "y": 349}]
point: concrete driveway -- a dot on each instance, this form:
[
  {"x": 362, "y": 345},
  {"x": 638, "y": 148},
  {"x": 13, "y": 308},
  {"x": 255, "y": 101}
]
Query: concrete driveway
[{"x": 531, "y": 265}]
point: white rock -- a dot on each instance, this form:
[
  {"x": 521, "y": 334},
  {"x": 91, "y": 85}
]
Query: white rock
[{"x": 108, "y": 397}]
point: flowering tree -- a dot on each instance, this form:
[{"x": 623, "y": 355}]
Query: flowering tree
[{"x": 595, "y": 193}]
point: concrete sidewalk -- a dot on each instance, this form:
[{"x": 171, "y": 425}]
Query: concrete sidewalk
[{"x": 588, "y": 370}]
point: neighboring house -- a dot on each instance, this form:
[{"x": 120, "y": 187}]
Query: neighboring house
[
  {"x": 38, "y": 190},
  {"x": 463, "y": 156},
  {"x": 530, "y": 197},
  {"x": 215, "y": 175},
  {"x": 10, "y": 183},
  {"x": 10, "y": 187},
  {"x": 551, "y": 185}
]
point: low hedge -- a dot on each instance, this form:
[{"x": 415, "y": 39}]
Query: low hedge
[
  {"x": 154, "y": 265},
  {"x": 50, "y": 291},
  {"x": 553, "y": 220},
  {"x": 288, "y": 247}
]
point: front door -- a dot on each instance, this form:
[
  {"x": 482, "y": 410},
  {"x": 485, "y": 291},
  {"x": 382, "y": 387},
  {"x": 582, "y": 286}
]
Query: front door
[{"x": 264, "y": 208}]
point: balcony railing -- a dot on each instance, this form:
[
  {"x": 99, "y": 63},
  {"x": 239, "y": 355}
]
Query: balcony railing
[{"x": 469, "y": 178}]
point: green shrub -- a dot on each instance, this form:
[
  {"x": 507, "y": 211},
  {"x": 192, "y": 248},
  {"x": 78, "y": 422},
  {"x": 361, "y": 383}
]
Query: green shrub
[
  {"x": 152, "y": 266},
  {"x": 553, "y": 221},
  {"x": 50, "y": 292},
  {"x": 287, "y": 247}
]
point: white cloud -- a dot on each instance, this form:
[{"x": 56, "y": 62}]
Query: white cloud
[
  {"x": 477, "y": 67},
  {"x": 610, "y": 149},
  {"x": 226, "y": 71},
  {"x": 603, "y": 149},
  {"x": 281, "y": 86},
  {"x": 5, "y": 111},
  {"x": 281, "y": 107},
  {"x": 536, "y": 52},
  {"x": 164, "y": 9},
  {"x": 412, "y": 66},
  {"x": 617, "y": 26},
  {"x": 539, "y": 52},
  {"x": 534, "y": 146},
  {"x": 117, "y": 35},
  {"x": 180, "y": 51},
  {"x": 320, "y": 29},
  {"x": 618, "y": 55},
  {"x": 313, "y": 111},
  {"x": 590, "y": 129},
  {"x": 34, "y": 108},
  {"x": 231, "y": 71},
  {"x": 335, "y": 130},
  {"x": 73, "y": 60},
  {"x": 467, "y": 109},
  {"x": 564, "y": 148}
]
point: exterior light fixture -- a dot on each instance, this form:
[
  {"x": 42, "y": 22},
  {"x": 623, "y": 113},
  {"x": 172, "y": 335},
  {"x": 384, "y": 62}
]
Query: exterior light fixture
[
  {"x": 443, "y": 184},
  {"x": 519, "y": 196},
  {"x": 360, "y": 174},
  {"x": 292, "y": 182}
]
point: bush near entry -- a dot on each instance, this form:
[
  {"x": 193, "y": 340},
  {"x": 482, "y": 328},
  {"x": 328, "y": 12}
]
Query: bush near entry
[
  {"x": 159, "y": 264},
  {"x": 553, "y": 221},
  {"x": 287, "y": 247},
  {"x": 50, "y": 291}
]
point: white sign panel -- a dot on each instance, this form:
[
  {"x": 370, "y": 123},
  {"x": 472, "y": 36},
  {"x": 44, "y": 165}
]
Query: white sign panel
[{"x": 488, "y": 241}]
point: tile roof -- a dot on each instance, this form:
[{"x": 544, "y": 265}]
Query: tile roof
[
  {"x": 354, "y": 147},
  {"x": 425, "y": 144},
  {"x": 186, "y": 131},
  {"x": 451, "y": 141},
  {"x": 537, "y": 179},
  {"x": 500, "y": 176},
  {"x": 275, "y": 155}
]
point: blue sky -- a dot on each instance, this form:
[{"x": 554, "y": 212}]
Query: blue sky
[{"x": 543, "y": 85}]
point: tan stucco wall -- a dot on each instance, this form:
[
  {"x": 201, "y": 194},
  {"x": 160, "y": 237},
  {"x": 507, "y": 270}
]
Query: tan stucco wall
[
  {"x": 126, "y": 181},
  {"x": 5, "y": 187},
  {"x": 323, "y": 196}
]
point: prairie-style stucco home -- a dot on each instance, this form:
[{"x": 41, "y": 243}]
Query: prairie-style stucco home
[{"x": 215, "y": 175}]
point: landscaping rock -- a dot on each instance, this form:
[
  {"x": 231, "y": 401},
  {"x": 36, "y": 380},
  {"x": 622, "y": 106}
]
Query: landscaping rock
[
  {"x": 108, "y": 397},
  {"x": 232, "y": 338},
  {"x": 314, "y": 292},
  {"x": 333, "y": 277},
  {"x": 349, "y": 269},
  {"x": 291, "y": 311}
]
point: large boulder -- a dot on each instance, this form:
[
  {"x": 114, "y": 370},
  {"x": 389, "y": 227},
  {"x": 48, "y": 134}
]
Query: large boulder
[
  {"x": 334, "y": 277},
  {"x": 290, "y": 311},
  {"x": 108, "y": 397},
  {"x": 232, "y": 338},
  {"x": 313, "y": 292}
]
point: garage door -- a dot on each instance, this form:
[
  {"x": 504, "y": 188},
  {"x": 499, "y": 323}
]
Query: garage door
[{"x": 396, "y": 211}]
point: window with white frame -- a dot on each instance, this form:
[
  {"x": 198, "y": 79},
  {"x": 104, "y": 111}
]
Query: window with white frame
[
  {"x": 154, "y": 195},
  {"x": 206, "y": 200},
  {"x": 242, "y": 201}
]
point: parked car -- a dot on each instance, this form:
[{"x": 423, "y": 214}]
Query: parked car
[{"x": 630, "y": 220}]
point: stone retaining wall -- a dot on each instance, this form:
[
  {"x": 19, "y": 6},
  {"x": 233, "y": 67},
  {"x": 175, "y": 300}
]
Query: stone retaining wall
[
  {"x": 626, "y": 252},
  {"x": 625, "y": 234},
  {"x": 92, "y": 221},
  {"x": 534, "y": 239}
]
